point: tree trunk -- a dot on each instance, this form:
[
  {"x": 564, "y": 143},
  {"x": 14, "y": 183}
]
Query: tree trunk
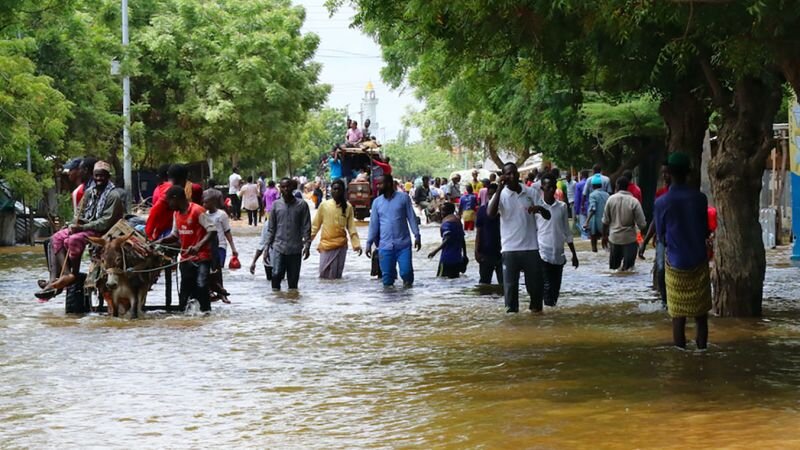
[
  {"x": 789, "y": 62},
  {"x": 735, "y": 170},
  {"x": 686, "y": 118},
  {"x": 492, "y": 149}
]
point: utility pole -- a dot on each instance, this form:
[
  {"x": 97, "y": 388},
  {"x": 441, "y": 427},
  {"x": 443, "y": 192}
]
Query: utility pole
[{"x": 126, "y": 110}]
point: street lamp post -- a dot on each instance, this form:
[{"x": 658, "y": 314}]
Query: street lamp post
[{"x": 126, "y": 110}]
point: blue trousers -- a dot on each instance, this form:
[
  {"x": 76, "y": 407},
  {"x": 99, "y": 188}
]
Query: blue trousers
[{"x": 390, "y": 259}]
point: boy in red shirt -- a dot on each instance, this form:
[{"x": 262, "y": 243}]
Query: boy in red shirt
[{"x": 196, "y": 233}]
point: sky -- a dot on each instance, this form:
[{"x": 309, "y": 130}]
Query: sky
[{"x": 349, "y": 61}]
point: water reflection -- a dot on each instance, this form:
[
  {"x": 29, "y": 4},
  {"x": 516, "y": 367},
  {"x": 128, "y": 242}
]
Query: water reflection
[{"x": 350, "y": 365}]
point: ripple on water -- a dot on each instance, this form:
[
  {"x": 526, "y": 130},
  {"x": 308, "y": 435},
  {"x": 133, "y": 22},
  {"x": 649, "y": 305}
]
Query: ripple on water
[{"x": 350, "y": 365}]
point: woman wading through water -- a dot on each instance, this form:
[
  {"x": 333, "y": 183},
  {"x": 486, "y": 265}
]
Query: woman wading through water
[{"x": 336, "y": 220}]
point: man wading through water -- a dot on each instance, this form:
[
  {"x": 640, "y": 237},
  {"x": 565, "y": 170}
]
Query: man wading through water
[
  {"x": 391, "y": 216},
  {"x": 289, "y": 236},
  {"x": 195, "y": 231},
  {"x": 517, "y": 205},
  {"x": 681, "y": 218}
]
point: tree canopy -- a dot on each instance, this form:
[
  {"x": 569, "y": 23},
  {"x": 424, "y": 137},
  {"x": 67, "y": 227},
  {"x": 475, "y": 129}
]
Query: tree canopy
[
  {"x": 683, "y": 59},
  {"x": 231, "y": 79}
]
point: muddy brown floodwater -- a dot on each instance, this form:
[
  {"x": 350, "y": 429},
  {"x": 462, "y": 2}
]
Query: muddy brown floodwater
[{"x": 348, "y": 364}]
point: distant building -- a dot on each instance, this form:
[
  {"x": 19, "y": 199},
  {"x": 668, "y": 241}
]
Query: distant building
[{"x": 369, "y": 109}]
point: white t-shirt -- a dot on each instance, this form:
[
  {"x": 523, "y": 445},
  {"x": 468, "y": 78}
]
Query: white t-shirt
[
  {"x": 249, "y": 194},
  {"x": 571, "y": 190},
  {"x": 222, "y": 224},
  {"x": 234, "y": 183},
  {"x": 554, "y": 233},
  {"x": 517, "y": 225}
]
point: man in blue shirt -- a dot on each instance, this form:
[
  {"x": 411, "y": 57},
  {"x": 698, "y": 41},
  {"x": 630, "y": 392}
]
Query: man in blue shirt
[
  {"x": 390, "y": 218},
  {"x": 580, "y": 204},
  {"x": 335, "y": 164},
  {"x": 681, "y": 218},
  {"x": 487, "y": 243}
]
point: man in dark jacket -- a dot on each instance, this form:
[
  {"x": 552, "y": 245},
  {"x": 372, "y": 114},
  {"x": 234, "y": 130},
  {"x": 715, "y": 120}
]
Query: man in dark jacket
[{"x": 100, "y": 208}]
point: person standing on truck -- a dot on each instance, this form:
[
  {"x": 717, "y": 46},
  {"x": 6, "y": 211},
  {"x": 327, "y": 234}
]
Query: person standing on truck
[
  {"x": 365, "y": 131},
  {"x": 335, "y": 164}
]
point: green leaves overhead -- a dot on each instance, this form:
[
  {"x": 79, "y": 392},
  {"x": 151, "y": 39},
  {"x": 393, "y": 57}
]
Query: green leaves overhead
[
  {"x": 32, "y": 113},
  {"x": 225, "y": 78}
]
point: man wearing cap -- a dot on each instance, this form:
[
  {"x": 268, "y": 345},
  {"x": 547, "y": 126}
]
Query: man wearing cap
[
  {"x": 101, "y": 207},
  {"x": 596, "y": 206},
  {"x": 681, "y": 218}
]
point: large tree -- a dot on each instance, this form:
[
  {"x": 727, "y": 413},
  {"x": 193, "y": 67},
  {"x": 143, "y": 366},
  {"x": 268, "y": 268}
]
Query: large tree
[
  {"x": 695, "y": 57},
  {"x": 33, "y": 116},
  {"x": 231, "y": 78}
]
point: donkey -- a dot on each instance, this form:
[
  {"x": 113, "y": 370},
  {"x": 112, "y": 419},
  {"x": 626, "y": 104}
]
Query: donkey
[{"x": 126, "y": 276}]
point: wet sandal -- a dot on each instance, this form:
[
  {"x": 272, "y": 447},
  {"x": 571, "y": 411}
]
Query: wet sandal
[{"x": 47, "y": 294}]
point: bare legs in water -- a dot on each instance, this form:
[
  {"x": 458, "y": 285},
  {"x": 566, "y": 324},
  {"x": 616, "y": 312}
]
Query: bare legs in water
[{"x": 679, "y": 331}]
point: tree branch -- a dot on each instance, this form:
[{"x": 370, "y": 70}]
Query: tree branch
[{"x": 719, "y": 93}]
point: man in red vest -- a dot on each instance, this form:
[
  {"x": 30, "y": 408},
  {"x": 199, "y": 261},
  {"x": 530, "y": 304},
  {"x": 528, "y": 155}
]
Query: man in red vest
[{"x": 196, "y": 233}]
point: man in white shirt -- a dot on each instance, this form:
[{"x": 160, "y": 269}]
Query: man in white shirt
[
  {"x": 621, "y": 215},
  {"x": 234, "y": 185},
  {"x": 571, "y": 184},
  {"x": 553, "y": 234},
  {"x": 517, "y": 205}
]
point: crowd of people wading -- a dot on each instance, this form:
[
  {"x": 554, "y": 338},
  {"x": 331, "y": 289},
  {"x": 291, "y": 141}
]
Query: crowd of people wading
[{"x": 519, "y": 227}]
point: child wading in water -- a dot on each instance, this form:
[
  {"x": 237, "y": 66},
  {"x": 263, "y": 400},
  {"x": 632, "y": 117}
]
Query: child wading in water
[
  {"x": 467, "y": 206},
  {"x": 212, "y": 202},
  {"x": 553, "y": 234},
  {"x": 453, "y": 246}
]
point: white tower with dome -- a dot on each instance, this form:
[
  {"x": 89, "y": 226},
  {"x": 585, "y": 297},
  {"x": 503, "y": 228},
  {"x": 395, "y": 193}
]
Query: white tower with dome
[{"x": 369, "y": 108}]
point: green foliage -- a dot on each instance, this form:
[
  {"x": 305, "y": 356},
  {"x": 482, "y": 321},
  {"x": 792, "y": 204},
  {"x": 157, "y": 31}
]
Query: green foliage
[
  {"x": 322, "y": 129},
  {"x": 616, "y": 124},
  {"x": 229, "y": 78},
  {"x": 410, "y": 160},
  {"x": 32, "y": 114}
]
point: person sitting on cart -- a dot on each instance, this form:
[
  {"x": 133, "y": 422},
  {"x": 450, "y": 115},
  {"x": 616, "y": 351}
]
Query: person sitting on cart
[
  {"x": 354, "y": 135},
  {"x": 100, "y": 208}
]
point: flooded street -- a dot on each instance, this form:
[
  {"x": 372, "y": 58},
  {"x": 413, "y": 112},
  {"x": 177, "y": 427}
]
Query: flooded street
[{"x": 348, "y": 364}]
